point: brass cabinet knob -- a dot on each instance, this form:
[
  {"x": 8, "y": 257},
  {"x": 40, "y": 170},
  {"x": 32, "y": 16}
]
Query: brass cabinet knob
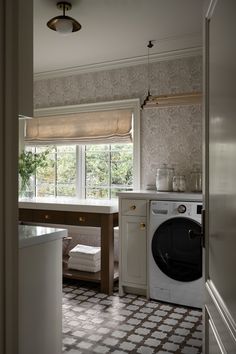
[
  {"x": 132, "y": 207},
  {"x": 82, "y": 219},
  {"x": 47, "y": 216},
  {"x": 142, "y": 226}
]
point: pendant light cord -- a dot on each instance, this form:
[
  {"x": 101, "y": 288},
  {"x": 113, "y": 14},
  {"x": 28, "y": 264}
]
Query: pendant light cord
[{"x": 150, "y": 45}]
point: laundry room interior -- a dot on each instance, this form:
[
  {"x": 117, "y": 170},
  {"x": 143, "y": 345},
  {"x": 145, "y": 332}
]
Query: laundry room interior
[{"x": 111, "y": 177}]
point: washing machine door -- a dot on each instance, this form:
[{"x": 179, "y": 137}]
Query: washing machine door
[{"x": 176, "y": 255}]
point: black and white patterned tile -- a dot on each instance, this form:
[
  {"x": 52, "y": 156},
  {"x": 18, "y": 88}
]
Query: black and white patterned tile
[{"x": 97, "y": 323}]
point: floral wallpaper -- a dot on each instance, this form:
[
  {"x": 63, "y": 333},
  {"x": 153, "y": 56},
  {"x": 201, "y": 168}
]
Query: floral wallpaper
[{"x": 171, "y": 134}]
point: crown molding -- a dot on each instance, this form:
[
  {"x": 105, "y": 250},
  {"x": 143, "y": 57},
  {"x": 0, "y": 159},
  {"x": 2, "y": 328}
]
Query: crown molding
[{"x": 116, "y": 64}]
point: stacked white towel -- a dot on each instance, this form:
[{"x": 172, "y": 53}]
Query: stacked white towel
[{"x": 85, "y": 258}]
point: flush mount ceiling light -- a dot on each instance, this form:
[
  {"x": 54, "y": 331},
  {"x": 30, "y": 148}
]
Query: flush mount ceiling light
[
  {"x": 64, "y": 24},
  {"x": 148, "y": 97}
]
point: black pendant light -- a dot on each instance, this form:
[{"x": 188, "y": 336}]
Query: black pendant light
[
  {"x": 64, "y": 24},
  {"x": 147, "y": 99}
]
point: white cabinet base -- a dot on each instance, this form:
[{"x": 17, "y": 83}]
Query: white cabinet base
[{"x": 40, "y": 298}]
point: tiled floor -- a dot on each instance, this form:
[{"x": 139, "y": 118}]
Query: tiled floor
[{"x": 97, "y": 323}]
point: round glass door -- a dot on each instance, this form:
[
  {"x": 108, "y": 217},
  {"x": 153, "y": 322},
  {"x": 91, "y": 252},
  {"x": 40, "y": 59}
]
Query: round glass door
[{"x": 178, "y": 256}]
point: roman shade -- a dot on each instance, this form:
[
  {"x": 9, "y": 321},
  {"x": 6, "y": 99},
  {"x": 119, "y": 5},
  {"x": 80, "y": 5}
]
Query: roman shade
[{"x": 101, "y": 127}]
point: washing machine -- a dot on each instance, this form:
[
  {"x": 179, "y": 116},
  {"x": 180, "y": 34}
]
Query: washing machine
[{"x": 174, "y": 255}]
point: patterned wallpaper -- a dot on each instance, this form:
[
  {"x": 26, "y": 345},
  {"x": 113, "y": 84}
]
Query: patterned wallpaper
[{"x": 171, "y": 134}]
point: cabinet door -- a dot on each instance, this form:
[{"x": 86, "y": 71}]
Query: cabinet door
[{"x": 133, "y": 250}]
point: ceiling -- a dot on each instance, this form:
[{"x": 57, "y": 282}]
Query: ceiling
[{"x": 115, "y": 31}]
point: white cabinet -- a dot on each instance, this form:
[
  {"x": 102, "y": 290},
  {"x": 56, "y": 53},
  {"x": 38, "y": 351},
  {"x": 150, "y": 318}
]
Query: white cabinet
[
  {"x": 133, "y": 246},
  {"x": 40, "y": 290}
]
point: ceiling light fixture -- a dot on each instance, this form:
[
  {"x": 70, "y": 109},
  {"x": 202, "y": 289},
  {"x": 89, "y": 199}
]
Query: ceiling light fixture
[
  {"x": 148, "y": 97},
  {"x": 64, "y": 24}
]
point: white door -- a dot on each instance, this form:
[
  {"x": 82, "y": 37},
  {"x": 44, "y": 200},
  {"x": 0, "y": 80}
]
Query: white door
[{"x": 220, "y": 197}]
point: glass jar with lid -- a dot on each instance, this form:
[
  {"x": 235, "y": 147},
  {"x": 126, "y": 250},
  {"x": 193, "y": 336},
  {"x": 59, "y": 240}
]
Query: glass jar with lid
[
  {"x": 164, "y": 178},
  {"x": 196, "y": 180}
]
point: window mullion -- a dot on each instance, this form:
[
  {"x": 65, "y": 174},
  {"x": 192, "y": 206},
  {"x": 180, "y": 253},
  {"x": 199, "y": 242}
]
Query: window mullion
[
  {"x": 83, "y": 171},
  {"x": 55, "y": 180},
  {"x": 80, "y": 166},
  {"x": 109, "y": 169}
]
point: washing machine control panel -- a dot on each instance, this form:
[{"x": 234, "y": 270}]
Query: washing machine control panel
[{"x": 181, "y": 208}]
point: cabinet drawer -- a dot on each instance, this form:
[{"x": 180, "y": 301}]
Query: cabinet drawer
[
  {"x": 49, "y": 216},
  {"x": 136, "y": 207},
  {"x": 82, "y": 219}
]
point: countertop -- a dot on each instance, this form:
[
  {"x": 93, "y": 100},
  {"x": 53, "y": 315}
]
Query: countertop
[
  {"x": 32, "y": 235},
  {"x": 102, "y": 206},
  {"x": 155, "y": 195}
]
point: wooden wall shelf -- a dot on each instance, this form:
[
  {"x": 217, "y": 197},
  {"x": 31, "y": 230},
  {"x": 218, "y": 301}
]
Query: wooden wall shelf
[{"x": 174, "y": 100}]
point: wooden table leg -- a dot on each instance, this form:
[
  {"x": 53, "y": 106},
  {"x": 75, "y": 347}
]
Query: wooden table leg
[{"x": 107, "y": 253}]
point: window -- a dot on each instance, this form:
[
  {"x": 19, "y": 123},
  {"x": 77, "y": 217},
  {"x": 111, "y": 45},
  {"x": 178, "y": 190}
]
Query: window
[
  {"x": 82, "y": 168},
  {"x": 108, "y": 169},
  {"x": 91, "y": 171},
  {"x": 58, "y": 178}
]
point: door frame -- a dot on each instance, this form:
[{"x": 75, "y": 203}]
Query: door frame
[{"x": 8, "y": 177}]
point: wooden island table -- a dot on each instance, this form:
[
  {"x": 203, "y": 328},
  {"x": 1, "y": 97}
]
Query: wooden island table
[{"x": 80, "y": 212}]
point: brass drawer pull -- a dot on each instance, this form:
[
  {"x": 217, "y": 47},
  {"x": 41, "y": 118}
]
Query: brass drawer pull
[
  {"x": 82, "y": 219},
  {"x": 142, "y": 226},
  {"x": 132, "y": 207},
  {"x": 47, "y": 216}
]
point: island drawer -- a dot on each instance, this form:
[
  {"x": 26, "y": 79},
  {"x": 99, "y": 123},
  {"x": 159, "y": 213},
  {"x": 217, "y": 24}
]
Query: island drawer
[
  {"x": 82, "y": 219},
  {"x": 48, "y": 216}
]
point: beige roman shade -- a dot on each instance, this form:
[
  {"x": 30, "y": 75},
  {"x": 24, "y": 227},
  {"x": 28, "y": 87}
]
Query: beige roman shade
[{"x": 102, "y": 127}]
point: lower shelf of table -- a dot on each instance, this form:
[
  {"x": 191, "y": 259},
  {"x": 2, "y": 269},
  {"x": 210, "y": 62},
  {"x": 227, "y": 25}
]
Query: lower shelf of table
[{"x": 86, "y": 276}]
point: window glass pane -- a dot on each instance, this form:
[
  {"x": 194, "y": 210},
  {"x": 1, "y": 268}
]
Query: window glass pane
[
  {"x": 97, "y": 169},
  {"x": 45, "y": 190},
  {"x": 66, "y": 168},
  {"x": 58, "y": 177},
  {"x": 109, "y": 169},
  {"x": 66, "y": 171},
  {"x": 68, "y": 190},
  {"x": 122, "y": 167},
  {"x": 46, "y": 174},
  {"x": 97, "y": 193}
]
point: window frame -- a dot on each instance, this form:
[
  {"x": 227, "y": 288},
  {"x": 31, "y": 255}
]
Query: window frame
[{"x": 133, "y": 104}]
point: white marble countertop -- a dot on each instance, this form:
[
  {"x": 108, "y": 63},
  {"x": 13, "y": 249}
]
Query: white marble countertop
[
  {"x": 30, "y": 235},
  {"x": 71, "y": 204},
  {"x": 155, "y": 195}
]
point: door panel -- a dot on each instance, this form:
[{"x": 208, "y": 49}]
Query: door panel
[
  {"x": 220, "y": 257},
  {"x": 222, "y": 151}
]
